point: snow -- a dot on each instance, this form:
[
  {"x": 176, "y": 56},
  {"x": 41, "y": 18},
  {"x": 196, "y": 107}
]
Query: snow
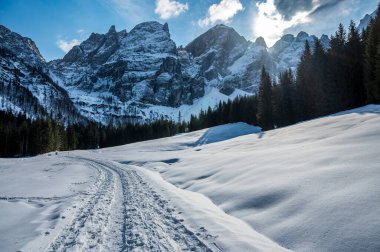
[
  {"x": 34, "y": 193},
  {"x": 310, "y": 187},
  {"x": 252, "y": 54},
  {"x": 313, "y": 186}
]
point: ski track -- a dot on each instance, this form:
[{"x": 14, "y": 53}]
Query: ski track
[{"x": 123, "y": 213}]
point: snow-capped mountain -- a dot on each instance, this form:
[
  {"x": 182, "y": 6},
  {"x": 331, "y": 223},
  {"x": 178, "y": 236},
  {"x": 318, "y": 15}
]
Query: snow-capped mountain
[
  {"x": 114, "y": 75},
  {"x": 364, "y": 22},
  {"x": 142, "y": 75},
  {"x": 26, "y": 85}
]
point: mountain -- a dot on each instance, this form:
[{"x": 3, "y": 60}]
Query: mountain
[
  {"x": 364, "y": 22},
  {"x": 142, "y": 75},
  {"x": 119, "y": 73},
  {"x": 26, "y": 84}
]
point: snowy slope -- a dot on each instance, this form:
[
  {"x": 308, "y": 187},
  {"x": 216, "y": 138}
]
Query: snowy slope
[
  {"x": 313, "y": 186},
  {"x": 98, "y": 205},
  {"x": 25, "y": 84}
]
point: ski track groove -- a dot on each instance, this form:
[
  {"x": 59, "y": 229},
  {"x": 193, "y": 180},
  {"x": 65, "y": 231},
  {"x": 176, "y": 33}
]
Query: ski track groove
[{"x": 123, "y": 213}]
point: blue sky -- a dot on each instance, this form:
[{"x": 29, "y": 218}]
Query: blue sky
[{"x": 56, "y": 25}]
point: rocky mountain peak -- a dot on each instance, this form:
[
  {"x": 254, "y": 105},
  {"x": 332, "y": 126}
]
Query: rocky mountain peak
[
  {"x": 302, "y": 36},
  {"x": 260, "y": 41},
  {"x": 288, "y": 38},
  {"x": 150, "y": 27},
  {"x": 111, "y": 30},
  {"x": 166, "y": 27},
  {"x": 220, "y": 36},
  {"x": 23, "y": 47},
  {"x": 364, "y": 22}
]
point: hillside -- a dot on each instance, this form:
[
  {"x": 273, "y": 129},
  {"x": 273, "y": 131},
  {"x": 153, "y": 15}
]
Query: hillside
[{"x": 312, "y": 186}]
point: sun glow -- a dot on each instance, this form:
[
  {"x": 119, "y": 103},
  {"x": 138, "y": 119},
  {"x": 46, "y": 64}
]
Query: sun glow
[{"x": 270, "y": 24}]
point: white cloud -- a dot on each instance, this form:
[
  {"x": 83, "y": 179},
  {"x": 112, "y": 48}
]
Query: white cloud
[
  {"x": 67, "y": 45},
  {"x": 270, "y": 24},
  {"x": 223, "y": 12},
  {"x": 81, "y": 31},
  {"x": 131, "y": 10},
  {"x": 168, "y": 9}
]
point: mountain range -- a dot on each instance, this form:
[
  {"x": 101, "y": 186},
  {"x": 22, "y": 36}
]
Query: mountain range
[{"x": 140, "y": 75}]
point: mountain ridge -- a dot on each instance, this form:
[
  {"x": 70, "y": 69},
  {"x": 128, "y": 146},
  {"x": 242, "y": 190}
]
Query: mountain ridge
[{"x": 142, "y": 75}]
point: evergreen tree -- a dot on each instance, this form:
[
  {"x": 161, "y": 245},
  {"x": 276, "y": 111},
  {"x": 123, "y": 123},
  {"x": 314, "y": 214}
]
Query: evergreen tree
[
  {"x": 336, "y": 72},
  {"x": 317, "y": 85},
  {"x": 355, "y": 89},
  {"x": 284, "y": 99},
  {"x": 264, "y": 109},
  {"x": 303, "y": 78},
  {"x": 371, "y": 61}
]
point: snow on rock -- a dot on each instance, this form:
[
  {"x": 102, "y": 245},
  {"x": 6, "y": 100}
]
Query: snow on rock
[
  {"x": 25, "y": 84},
  {"x": 141, "y": 75},
  {"x": 364, "y": 22},
  {"x": 125, "y": 76}
]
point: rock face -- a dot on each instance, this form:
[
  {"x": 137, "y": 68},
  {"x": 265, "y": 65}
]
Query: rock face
[
  {"x": 26, "y": 84},
  {"x": 216, "y": 50},
  {"x": 123, "y": 72},
  {"x": 141, "y": 74}
]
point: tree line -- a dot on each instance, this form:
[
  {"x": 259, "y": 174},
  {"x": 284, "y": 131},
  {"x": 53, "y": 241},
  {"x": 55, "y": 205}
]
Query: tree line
[{"x": 21, "y": 136}]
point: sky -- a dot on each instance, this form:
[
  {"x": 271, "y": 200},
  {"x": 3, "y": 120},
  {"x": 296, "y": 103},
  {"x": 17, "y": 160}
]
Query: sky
[{"x": 57, "y": 25}]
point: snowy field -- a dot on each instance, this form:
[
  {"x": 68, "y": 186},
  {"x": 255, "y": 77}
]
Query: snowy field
[{"x": 314, "y": 186}]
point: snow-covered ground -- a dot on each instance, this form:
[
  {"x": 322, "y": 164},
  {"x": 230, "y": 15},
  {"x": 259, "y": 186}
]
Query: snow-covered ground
[{"x": 313, "y": 186}]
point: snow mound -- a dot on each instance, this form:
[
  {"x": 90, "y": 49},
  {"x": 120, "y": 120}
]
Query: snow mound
[
  {"x": 313, "y": 186},
  {"x": 225, "y": 132}
]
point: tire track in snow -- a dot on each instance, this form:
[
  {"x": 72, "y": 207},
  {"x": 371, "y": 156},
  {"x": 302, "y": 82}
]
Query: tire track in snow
[
  {"x": 150, "y": 221},
  {"x": 125, "y": 214},
  {"x": 97, "y": 225}
]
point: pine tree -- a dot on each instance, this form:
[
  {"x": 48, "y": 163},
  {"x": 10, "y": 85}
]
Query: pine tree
[
  {"x": 336, "y": 71},
  {"x": 371, "y": 52},
  {"x": 303, "y": 78},
  {"x": 265, "y": 113},
  {"x": 285, "y": 99},
  {"x": 355, "y": 89},
  {"x": 318, "y": 85}
]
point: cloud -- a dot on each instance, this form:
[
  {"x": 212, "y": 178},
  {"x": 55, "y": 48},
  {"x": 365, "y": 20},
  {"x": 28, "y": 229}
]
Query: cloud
[
  {"x": 167, "y": 9},
  {"x": 223, "y": 12},
  {"x": 67, "y": 45},
  {"x": 131, "y": 10},
  {"x": 271, "y": 22},
  {"x": 326, "y": 5},
  {"x": 81, "y": 31},
  {"x": 289, "y": 8}
]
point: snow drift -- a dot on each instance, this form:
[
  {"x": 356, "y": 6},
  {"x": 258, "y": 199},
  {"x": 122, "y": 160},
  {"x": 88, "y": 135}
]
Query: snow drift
[{"x": 313, "y": 186}]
